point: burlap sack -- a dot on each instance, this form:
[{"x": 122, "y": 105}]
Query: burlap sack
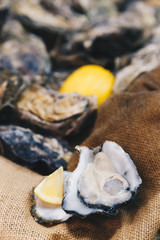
[{"x": 132, "y": 119}]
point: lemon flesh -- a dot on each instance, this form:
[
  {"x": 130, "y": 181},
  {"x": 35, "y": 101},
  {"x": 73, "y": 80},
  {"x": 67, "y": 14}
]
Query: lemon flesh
[
  {"x": 50, "y": 188},
  {"x": 90, "y": 80}
]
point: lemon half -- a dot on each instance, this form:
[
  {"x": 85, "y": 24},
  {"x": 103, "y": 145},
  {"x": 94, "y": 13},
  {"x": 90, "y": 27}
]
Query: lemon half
[
  {"x": 90, "y": 80},
  {"x": 50, "y": 188}
]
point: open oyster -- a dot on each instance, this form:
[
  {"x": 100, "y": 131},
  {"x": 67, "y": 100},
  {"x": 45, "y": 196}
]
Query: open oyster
[
  {"x": 11, "y": 84},
  {"x": 103, "y": 180},
  {"x": 39, "y": 153},
  {"x": 47, "y": 213},
  {"x": 60, "y": 113}
]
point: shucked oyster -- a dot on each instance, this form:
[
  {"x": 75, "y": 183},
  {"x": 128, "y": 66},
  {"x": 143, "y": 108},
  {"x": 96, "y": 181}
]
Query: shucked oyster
[
  {"x": 48, "y": 213},
  {"x": 42, "y": 154},
  {"x": 61, "y": 113},
  {"x": 102, "y": 181}
]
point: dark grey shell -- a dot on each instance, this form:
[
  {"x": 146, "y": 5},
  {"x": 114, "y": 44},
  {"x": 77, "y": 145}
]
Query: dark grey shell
[
  {"x": 38, "y": 218},
  {"x": 102, "y": 42},
  {"x": 39, "y": 153},
  {"x": 21, "y": 51}
]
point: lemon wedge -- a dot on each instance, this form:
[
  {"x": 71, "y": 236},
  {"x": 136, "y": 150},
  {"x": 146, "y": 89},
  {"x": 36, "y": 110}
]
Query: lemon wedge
[
  {"x": 50, "y": 188},
  {"x": 90, "y": 80}
]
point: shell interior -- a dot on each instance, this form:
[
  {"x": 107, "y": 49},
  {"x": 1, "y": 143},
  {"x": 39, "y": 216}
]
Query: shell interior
[{"x": 102, "y": 181}]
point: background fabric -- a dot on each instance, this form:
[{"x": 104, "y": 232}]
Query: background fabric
[{"x": 131, "y": 119}]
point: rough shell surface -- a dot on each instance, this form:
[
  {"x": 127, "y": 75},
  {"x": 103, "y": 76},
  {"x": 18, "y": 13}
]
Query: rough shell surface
[
  {"x": 64, "y": 114},
  {"x": 21, "y": 51},
  {"x": 39, "y": 153},
  {"x": 102, "y": 181},
  {"x": 11, "y": 85}
]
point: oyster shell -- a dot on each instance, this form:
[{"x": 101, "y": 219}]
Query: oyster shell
[
  {"x": 22, "y": 52},
  {"x": 52, "y": 27},
  {"x": 102, "y": 181},
  {"x": 121, "y": 34},
  {"x": 39, "y": 153},
  {"x": 144, "y": 60},
  {"x": 71, "y": 202},
  {"x": 47, "y": 213},
  {"x": 4, "y": 10},
  {"x": 11, "y": 84},
  {"x": 103, "y": 41},
  {"x": 61, "y": 113}
]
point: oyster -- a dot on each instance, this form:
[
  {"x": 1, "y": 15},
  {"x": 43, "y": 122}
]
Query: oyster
[
  {"x": 103, "y": 41},
  {"x": 144, "y": 60},
  {"x": 21, "y": 51},
  {"x": 11, "y": 84},
  {"x": 39, "y": 153},
  {"x": 61, "y": 113},
  {"x": 47, "y": 213},
  {"x": 37, "y": 17},
  {"x": 4, "y": 10},
  {"x": 122, "y": 33},
  {"x": 104, "y": 179}
]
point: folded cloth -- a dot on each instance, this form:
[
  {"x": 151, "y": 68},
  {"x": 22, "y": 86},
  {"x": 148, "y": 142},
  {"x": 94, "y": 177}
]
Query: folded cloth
[{"x": 131, "y": 119}]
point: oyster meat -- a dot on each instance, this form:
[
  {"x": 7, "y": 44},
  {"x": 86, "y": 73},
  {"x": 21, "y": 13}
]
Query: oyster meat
[
  {"x": 104, "y": 179},
  {"x": 4, "y": 10},
  {"x": 39, "y": 153},
  {"x": 61, "y": 113}
]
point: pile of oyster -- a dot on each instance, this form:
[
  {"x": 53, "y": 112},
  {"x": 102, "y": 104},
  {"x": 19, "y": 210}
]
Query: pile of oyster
[
  {"x": 41, "y": 43},
  {"x": 104, "y": 179}
]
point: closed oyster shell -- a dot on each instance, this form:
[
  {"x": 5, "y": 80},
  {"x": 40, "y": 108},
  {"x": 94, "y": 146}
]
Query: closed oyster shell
[
  {"x": 52, "y": 27},
  {"x": 11, "y": 85},
  {"x": 22, "y": 52},
  {"x": 143, "y": 60},
  {"x": 39, "y": 153},
  {"x": 4, "y": 10},
  {"x": 102, "y": 42}
]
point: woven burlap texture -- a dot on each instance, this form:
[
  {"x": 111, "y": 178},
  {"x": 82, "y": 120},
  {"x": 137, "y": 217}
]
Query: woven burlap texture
[{"x": 131, "y": 119}]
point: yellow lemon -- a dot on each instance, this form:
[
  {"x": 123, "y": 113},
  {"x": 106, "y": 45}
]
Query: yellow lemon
[
  {"x": 50, "y": 188},
  {"x": 89, "y": 80}
]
